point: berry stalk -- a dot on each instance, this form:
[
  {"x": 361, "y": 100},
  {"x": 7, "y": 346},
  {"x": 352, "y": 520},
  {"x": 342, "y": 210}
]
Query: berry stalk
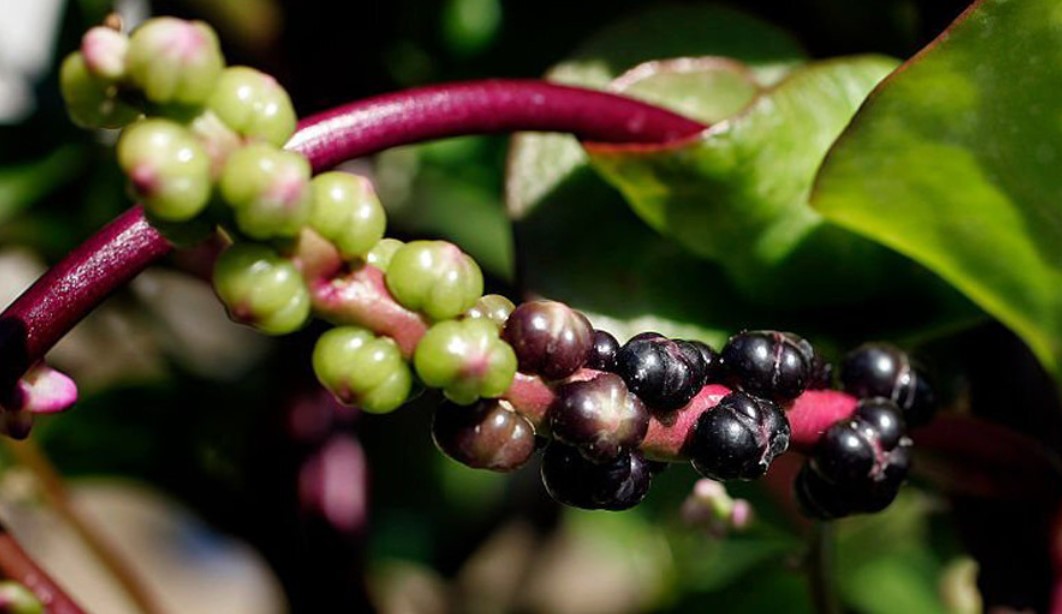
[
  {"x": 16, "y": 565},
  {"x": 117, "y": 253}
]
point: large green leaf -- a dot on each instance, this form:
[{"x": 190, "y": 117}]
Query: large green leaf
[
  {"x": 738, "y": 195},
  {"x": 955, "y": 162}
]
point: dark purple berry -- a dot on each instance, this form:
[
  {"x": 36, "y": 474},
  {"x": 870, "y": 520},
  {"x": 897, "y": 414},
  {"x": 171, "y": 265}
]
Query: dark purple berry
[
  {"x": 820, "y": 499},
  {"x": 550, "y": 339},
  {"x": 487, "y": 435},
  {"x": 883, "y": 418},
  {"x": 603, "y": 352},
  {"x": 666, "y": 374},
  {"x": 713, "y": 364},
  {"x": 738, "y": 438},
  {"x": 600, "y": 417},
  {"x": 882, "y": 370},
  {"x": 573, "y": 480},
  {"x": 845, "y": 455},
  {"x": 769, "y": 364}
]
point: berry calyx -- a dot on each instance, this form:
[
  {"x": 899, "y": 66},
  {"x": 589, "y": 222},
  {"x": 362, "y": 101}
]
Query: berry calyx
[
  {"x": 599, "y": 417},
  {"x": 347, "y": 212},
  {"x": 260, "y": 288},
  {"x": 487, "y": 435},
  {"x": 573, "y": 480},
  {"x": 550, "y": 339},
  {"x": 465, "y": 358},
  {"x": 167, "y": 167},
  {"x": 362, "y": 369},
  {"x": 254, "y": 105},
  {"x": 770, "y": 364},
  {"x": 665, "y": 373},
  {"x": 738, "y": 438},
  {"x": 435, "y": 278},
  {"x": 174, "y": 61},
  {"x": 268, "y": 189}
]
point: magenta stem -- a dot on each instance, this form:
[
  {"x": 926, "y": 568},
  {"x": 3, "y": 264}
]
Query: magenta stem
[
  {"x": 113, "y": 256},
  {"x": 482, "y": 107}
]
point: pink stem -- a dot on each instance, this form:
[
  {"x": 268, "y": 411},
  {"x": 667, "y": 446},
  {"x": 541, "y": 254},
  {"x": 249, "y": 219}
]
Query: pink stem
[
  {"x": 16, "y": 565},
  {"x": 117, "y": 253}
]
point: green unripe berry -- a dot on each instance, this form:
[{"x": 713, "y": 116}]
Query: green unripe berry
[
  {"x": 174, "y": 61},
  {"x": 254, "y": 105},
  {"x": 362, "y": 369},
  {"x": 347, "y": 212},
  {"x": 269, "y": 190},
  {"x": 105, "y": 50},
  {"x": 434, "y": 277},
  {"x": 217, "y": 139},
  {"x": 493, "y": 308},
  {"x": 380, "y": 255},
  {"x": 16, "y": 598},
  {"x": 261, "y": 288},
  {"x": 90, "y": 101},
  {"x": 465, "y": 358},
  {"x": 168, "y": 169}
]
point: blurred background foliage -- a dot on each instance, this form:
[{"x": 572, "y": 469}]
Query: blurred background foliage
[{"x": 231, "y": 426}]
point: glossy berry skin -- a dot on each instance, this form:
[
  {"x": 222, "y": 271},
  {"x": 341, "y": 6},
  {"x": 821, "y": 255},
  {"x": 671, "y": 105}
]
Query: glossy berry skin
[
  {"x": 603, "y": 349},
  {"x": 362, "y": 370},
  {"x": 347, "y": 212},
  {"x": 435, "y": 278},
  {"x": 599, "y": 416},
  {"x": 665, "y": 374},
  {"x": 769, "y": 364},
  {"x": 738, "y": 438},
  {"x": 466, "y": 359},
  {"x": 173, "y": 61},
  {"x": 573, "y": 480},
  {"x": 845, "y": 455},
  {"x": 380, "y": 255},
  {"x": 262, "y": 289},
  {"x": 269, "y": 191},
  {"x": 167, "y": 167},
  {"x": 820, "y": 498},
  {"x": 487, "y": 435},
  {"x": 714, "y": 371},
  {"x": 254, "y": 105},
  {"x": 550, "y": 339},
  {"x": 492, "y": 307},
  {"x": 881, "y": 417},
  {"x": 882, "y": 370}
]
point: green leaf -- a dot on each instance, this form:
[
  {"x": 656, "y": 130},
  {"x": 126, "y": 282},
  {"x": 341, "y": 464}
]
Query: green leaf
[
  {"x": 611, "y": 264},
  {"x": 954, "y": 162},
  {"x": 738, "y": 194}
]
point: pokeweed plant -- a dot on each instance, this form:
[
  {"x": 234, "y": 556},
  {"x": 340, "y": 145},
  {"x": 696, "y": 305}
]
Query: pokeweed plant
[{"x": 851, "y": 199}]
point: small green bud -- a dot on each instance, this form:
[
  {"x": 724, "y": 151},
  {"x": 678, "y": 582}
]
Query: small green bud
[
  {"x": 262, "y": 289},
  {"x": 168, "y": 169},
  {"x": 269, "y": 190},
  {"x": 347, "y": 213},
  {"x": 254, "y": 105},
  {"x": 493, "y": 308},
  {"x": 362, "y": 369},
  {"x": 16, "y": 598},
  {"x": 217, "y": 139},
  {"x": 175, "y": 61},
  {"x": 90, "y": 101},
  {"x": 434, "y": 277},
  {"x": 465, "y": 358},
  {"x": 380, "y": 255},
  {"x": 105, "y": 50}
]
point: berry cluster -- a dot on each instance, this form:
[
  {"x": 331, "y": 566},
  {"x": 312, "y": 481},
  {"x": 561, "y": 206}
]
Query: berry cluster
[
  {"x": 860, "y": 463},
  {"x": 202, "y": 150}
]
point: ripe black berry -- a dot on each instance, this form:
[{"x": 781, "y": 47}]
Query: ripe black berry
[
  {"x": 713, "y": 363},
  {"x": 487, "y": 435},
  {"x": 738, "y": 438},
  {"x": 882, "y": 370},
  {"x": 600, "y": 417},
  {"x": 884, "y": 418},
  {"x": 550, "y": 339},
  {"x": 770, "y": 364},
  {"x": 666, "y": 374},
  {"x": 603, "y": 352},
  {"x": 845, "y": 455},
  {"x": 573, "y": 480}
]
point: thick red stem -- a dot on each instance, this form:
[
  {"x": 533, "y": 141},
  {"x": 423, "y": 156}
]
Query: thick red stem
[{"x": 16, "y": 565}]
